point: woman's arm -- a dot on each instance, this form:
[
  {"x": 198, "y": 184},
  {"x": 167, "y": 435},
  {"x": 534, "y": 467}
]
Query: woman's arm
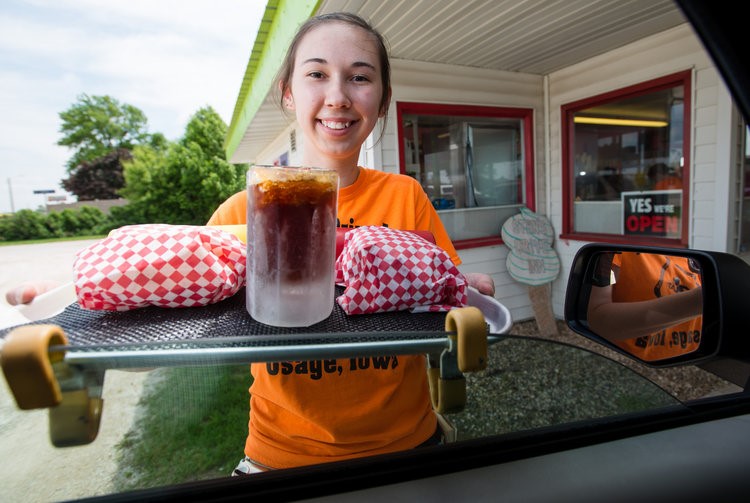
[{"x": 618, "y": 321}]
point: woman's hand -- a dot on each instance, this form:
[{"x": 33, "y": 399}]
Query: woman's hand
[
  {"x": 28, "y": 291},
  {"x": 482, "y": 282}
]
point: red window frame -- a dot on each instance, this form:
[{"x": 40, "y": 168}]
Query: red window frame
[
  {"x": 567, "y": 113},
  {"x": 525, "y": 114}
]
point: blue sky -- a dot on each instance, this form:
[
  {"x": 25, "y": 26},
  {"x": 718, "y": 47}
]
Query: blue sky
[{"x": 168, "y": 58}]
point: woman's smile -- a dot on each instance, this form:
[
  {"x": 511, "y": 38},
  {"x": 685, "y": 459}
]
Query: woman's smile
[
  {"x": 336, "y": 91},
  {"x": 336, "y": 125}
]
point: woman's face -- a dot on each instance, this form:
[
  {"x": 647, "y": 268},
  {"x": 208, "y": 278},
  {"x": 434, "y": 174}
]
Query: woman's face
[{"x": 335, "y": 92}]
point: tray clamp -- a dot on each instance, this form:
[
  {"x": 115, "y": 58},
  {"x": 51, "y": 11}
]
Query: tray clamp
[
  {"x": 466, "y": 352},
  {"x": 40, "y": 378}
]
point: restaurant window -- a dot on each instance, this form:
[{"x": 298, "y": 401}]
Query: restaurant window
[
  {"x": 474, "y": 163},
  {"x": 626, "y": 163}
]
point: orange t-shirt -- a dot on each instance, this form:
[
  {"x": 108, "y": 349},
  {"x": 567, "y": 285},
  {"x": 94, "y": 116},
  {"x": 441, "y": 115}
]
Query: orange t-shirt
[
  {"x": 645, "y": 276},
  {"x": 669, "y": 182},
  {"x": 328, "y": 410}
]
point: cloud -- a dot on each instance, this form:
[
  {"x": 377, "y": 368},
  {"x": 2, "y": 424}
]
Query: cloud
[{"x": 168, "y": 58}]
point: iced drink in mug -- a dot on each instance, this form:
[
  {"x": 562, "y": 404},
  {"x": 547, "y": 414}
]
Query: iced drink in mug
[{"x": 291, "y": 244}]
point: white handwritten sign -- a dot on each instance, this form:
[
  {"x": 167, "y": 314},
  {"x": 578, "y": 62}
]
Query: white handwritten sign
[{"x": 531, "y": 259}]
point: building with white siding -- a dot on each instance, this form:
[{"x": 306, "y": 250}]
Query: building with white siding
[{"x": 511, "y": 84}]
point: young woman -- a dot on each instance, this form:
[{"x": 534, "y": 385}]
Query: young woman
[{"x": 336, "y": 80}]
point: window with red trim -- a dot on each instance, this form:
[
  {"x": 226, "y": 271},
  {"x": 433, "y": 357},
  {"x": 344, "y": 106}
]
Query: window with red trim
[
  {"x": 626, "y": 163},
  {"x": 475, "y": 164}
]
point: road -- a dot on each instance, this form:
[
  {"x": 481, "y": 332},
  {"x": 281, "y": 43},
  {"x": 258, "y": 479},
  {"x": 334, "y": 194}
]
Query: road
[
  {"x": 35, "y": 262},
  {"x": 31, "y": 469}
]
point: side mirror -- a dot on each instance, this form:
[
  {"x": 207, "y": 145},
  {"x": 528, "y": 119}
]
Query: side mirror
[{"x": 661, "y": 306}]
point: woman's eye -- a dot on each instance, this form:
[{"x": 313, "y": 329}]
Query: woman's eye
[
  {"x": 360, "y": 78},
  {"x": 315, "y": 75}
]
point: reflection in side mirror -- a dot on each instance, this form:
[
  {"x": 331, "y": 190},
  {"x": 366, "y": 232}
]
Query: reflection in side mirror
[
  {"x": 648, "y": 304},
  {"x": 660, "y": 306}
]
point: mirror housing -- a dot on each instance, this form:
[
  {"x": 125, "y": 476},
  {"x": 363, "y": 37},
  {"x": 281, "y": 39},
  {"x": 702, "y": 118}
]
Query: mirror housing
[{"x": 725, "y": 279}]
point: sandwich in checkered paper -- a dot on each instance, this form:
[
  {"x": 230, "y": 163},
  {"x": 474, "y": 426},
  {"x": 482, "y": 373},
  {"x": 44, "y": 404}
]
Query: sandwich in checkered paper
[
  {"x": 161, "y": 265},
  {"x": 384, "y": 269}
]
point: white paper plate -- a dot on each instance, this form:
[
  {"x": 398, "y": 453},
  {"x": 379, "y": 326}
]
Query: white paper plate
[{"x": 495, "y": 314}]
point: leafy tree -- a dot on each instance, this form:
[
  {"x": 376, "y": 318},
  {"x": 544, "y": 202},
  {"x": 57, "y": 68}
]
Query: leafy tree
[
  {"x": 27, "y": 224},
  {"x": 54, "y": 224},
  {"x": 207, "y": 130},
  {"x": 84, "y": 221},
  {"x": 97, "y": 125},
  {"x": 188, "y": 182},
  {"x": 138, "y": 188},
  {"x": 90, "y": 218},
  {"x": 64, "y": 223},
  {"x": 123, "y": 215},
  {"x": 24, "y": 224},
  {"x": 101, "y": 178}
]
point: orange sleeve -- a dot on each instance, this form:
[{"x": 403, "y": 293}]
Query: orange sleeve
[
  {"x": 428, "y": 219},
  {"x": 233, "y": 211},
  {"x": 392, "y": 200}
]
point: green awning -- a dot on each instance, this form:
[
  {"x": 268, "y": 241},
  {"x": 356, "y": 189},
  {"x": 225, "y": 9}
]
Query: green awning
[{"x": 280, "y": 22}]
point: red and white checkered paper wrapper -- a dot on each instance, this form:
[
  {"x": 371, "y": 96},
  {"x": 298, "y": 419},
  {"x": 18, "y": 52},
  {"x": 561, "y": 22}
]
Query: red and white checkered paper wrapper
[
  {"x": 161, "y": 265},
  {"x": 384, "y": 269}
]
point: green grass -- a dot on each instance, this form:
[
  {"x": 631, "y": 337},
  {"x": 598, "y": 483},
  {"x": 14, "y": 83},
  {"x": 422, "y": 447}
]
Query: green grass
[
  {"x": 192, "y": 425},
  {"x": 193, "y": 421}
]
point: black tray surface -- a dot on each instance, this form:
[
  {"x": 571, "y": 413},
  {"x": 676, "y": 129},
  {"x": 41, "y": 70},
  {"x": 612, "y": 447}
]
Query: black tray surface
[{"x": 230, "y": 319}]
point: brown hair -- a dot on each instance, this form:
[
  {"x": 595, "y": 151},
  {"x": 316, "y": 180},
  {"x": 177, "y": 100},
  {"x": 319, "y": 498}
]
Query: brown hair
[{"x": 284, "y": 76}]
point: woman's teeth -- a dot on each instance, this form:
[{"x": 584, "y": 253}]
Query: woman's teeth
[{"x": 336, "y": 125}]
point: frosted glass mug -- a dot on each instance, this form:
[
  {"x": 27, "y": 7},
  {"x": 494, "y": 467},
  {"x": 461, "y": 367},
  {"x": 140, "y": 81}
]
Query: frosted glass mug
[{"x": 291, "y": 244}]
